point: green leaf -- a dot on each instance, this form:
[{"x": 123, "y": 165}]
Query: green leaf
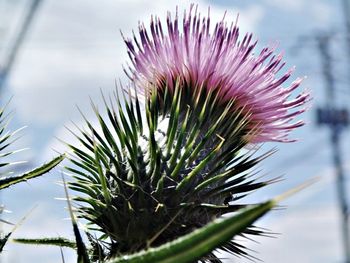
[
  {"x": 8, "y": 181},
  {"x": 81, "y": 249},
  {"x": 201, "y": 242},
  {"x": 55, "y": 241},
  {"x": 3, "y": 240}
]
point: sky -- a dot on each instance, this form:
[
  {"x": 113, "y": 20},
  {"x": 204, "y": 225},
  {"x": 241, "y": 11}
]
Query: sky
[{"x": 74, "y": 49}]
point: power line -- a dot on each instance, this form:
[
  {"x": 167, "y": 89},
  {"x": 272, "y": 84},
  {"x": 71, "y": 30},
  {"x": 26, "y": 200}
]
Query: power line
[{"x": 6, "y": 68}]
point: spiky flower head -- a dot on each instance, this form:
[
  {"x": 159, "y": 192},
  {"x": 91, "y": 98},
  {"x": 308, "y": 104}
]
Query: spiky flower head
[
  {"x": 154, "y": 172},
  {"x": 218, "y": 60}
]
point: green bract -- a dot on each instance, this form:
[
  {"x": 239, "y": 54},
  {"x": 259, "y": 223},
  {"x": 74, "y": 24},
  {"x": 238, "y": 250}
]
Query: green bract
[{"x": 150, "y": 174}]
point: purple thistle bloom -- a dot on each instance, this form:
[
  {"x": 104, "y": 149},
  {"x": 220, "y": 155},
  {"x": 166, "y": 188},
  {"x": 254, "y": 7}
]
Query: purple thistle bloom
[{"x": 219, "y": 60}]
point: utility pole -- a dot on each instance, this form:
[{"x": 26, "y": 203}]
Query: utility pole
[
  {"x": 345, "y": 6},
  {"x": 6, "y": 68},
  {"x": 336, "y": 119}
]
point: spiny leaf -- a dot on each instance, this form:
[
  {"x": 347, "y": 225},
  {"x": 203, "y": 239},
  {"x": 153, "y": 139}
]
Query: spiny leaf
[
  {"x": 8, "y": 181},
  {"x": 81, "y": 249},
  {"x": 3, "y": 240},
  {"x": 202, "y": 241},
  {"x": 52, "y": 241}
]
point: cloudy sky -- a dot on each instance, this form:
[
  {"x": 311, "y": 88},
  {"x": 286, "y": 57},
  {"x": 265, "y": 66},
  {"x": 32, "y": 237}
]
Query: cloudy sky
[{"x": 74, "y": 49}]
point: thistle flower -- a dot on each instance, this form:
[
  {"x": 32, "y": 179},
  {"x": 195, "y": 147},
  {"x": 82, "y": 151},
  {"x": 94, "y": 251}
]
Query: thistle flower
[
  {"x": 149, "y": 176},
  {"x": 218, "y": 61}
]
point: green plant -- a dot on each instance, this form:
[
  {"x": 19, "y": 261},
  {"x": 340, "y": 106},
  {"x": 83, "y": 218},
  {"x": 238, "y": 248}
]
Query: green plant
[
  {"x": 154, "y": 178},
  {"x": 6, "y": 178}
]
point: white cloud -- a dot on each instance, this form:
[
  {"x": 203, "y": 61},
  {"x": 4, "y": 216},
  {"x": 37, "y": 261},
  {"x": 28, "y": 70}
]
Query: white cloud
[
  {"x": 42, "y": 222},
  {"x": 318, "y": 10},
  {"x": 62, "y": 134},
  {"x": 75, "y": 49},
  {"x": 294, "y": 5},
  {"x": 307, "y": 234},
  {"x": 322, "y": 12}
]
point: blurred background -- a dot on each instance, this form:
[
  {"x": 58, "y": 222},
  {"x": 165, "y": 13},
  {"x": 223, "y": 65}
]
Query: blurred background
[{"x": 54, "y": 55}]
